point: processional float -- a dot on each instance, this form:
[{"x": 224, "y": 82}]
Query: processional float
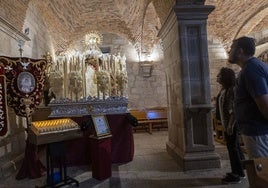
[
  {"x": 87, "y": 83},
  {"x": 95, "y": 82}
]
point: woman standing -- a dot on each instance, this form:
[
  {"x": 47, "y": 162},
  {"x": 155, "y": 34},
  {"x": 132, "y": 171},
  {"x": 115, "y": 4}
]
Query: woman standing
[{"x": 226, "y": 78}]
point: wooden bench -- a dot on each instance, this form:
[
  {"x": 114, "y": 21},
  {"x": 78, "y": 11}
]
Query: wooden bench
[
  {"x": 257, "y": 171},
  {"x": 156, "y": 117},
  {"x": 141, "y": 116},
  {"x": 149, "y": 118}
]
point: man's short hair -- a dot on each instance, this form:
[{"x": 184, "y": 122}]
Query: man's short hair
[{"x": 247, "y": 44}]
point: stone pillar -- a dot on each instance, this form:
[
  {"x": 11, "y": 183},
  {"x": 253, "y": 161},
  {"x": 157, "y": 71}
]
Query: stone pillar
[{"x": 184, "y": 36}]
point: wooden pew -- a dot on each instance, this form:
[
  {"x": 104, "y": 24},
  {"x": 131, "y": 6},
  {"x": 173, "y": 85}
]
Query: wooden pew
[
  {"x": 150, "y": 117},
  {"x": 257, "y": 171},
  {"x": 141, "y": 117},
  {"x": 156, "y": 117},
  {"x": 139, "y": 114}
]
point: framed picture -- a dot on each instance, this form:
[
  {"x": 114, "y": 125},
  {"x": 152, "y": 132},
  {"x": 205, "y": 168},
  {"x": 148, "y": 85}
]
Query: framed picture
[
  {"x": 101, "y": 125},
  {"x": 26, "y": 82}
]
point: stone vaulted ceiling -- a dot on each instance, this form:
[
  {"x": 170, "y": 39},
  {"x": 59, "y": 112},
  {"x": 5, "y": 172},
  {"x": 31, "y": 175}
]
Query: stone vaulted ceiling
[
  {"x": 69, "y": 20},
  {"x": 136, "y": 20},
  {"x": 232, "y": 19}
]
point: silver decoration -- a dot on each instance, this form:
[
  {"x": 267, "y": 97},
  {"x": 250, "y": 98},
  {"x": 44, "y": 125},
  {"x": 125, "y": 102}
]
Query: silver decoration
[{"x": 88, "y": 106}]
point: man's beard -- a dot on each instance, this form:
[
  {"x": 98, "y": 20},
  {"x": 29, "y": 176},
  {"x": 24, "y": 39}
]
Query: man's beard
[
  {"x": 234, "y": 59},
  {"x": 231, "y": 61}
]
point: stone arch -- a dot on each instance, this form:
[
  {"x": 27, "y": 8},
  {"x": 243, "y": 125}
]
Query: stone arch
[
  {"x": 248, "y": 25},
  {"x": 150, "y": 27},
  {"x": 261, "y": 41},
  {"x": 14, "y": 16},
  {"x": 162, "y": 8},
  {"x": 40, "y": 39},
  {"x": 264, "y": 56}
]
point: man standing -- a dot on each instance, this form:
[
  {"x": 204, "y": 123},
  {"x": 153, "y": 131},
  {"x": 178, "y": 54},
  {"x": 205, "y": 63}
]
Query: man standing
[{"x": 251, "y": 97}]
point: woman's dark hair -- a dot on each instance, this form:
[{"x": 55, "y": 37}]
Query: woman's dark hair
[
  {"x": 247, "y": 44},
  {"x": 227, "y": 77}
]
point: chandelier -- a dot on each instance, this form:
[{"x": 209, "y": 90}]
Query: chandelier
[{"x": 92, "y": 40}]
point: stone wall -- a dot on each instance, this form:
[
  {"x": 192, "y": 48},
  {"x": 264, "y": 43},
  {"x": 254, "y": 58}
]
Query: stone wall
[
  {"x": 13, "y": 144},
  {"x": 146, "y": 92},
  {"x": 172, "y": 63}
]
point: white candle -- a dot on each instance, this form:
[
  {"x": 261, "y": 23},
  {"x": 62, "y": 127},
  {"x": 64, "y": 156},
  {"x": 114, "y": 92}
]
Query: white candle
[
  {"x": 70, "y": 65},
  {"x": 75, "y": 83}
]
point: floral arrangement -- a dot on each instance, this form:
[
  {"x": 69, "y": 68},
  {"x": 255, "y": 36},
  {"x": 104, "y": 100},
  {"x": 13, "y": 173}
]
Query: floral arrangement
[
  {"x": 75, "y": 82},
  {"x": 121, "y": 79},
  {"x": 55, "y": 78},
  {"x": 56, "y": 83}
]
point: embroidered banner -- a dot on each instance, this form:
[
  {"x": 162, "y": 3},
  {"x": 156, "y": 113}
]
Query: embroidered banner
[
  {"x": 3, "y": 106},
  {"x": 24, "y": 83}
]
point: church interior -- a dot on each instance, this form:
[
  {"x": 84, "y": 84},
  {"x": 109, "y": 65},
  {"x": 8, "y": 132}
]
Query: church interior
[{"x": 103, "y": 60}]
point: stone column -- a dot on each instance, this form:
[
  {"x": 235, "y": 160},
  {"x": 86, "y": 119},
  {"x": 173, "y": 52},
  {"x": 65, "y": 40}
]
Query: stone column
[{"x": 184, "y": 36}]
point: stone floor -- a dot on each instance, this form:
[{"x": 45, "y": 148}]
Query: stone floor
[{"x": 151, "y": 167}]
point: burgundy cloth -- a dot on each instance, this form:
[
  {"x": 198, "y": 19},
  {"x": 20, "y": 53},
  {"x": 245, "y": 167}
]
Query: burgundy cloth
[
  {"x": 122, "y": 139},
  {"x": 78, "y": 150},
  {"x": 122, "y": 142},
  {"x": 3, "y": 102},
  {"x": 31, "y": 166},
  {"x": 101, "y": 158}
]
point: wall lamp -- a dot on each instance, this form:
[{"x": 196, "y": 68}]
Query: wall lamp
[{"x": 146, "y": 68}]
